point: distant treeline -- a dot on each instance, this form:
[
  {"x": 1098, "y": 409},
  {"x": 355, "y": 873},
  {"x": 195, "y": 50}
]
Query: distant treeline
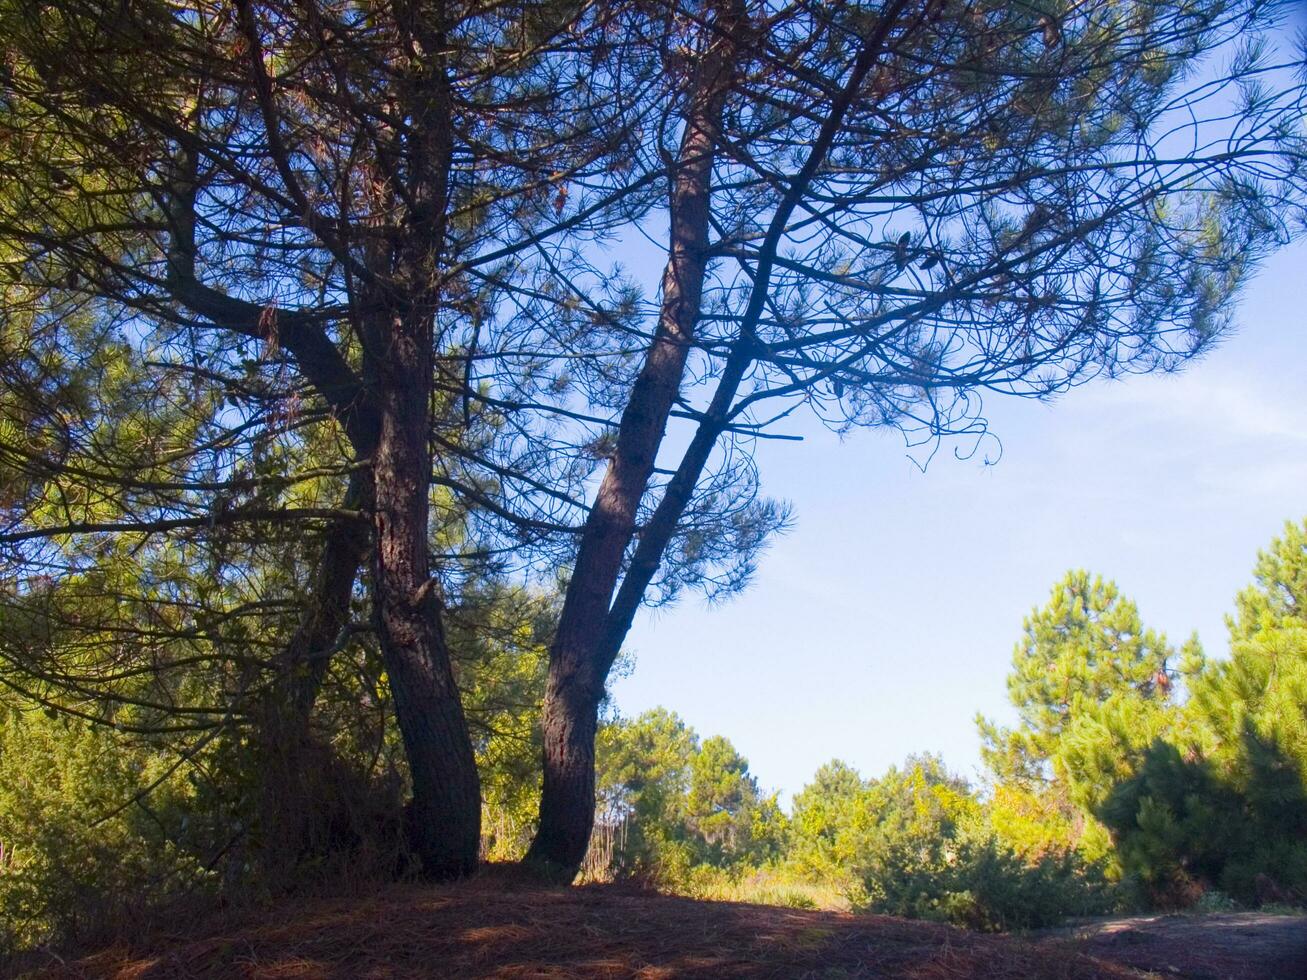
[{"x": 1139, "y": 775}]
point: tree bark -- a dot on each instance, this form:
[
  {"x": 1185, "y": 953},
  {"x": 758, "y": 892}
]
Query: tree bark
[
  {"x": 399, "y": 318},
  {"x": 445, "y": 815},
  {"x": 578, "y": 664}
]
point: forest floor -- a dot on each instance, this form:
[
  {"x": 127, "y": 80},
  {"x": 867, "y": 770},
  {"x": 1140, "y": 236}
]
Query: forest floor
[
  {"x": 1234, "y": 945},
  {"x": 493, "y": 928}
]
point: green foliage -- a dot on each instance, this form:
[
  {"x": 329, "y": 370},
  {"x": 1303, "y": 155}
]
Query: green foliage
[
  {"x": 499, "y": 643},
  {"x": 989, "y": 886},
  {"x": 105, "y": 818},
  {"x": 1086, "y": 645},
  {"x": 1278, "y": 596},
  {"x": 827, "y": 823},
  {"x": 1181, "y": 797},
  {"x": 1223, "y": 801},
  {"x": 1084, "y": 658},
  {"x": 917, "y": 842},
  {"x": 681, "y": 803},
  {"x": 1036, "y": 822},
  {"x": 78, "y": 845},
  {"x": 1172, "y": 823}
]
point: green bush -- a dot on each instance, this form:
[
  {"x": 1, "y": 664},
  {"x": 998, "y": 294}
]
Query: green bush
[
  {"x": 977, "y": 881},
  {"x": 77, "y": 860},
  {"x": 918, "y": 843}
]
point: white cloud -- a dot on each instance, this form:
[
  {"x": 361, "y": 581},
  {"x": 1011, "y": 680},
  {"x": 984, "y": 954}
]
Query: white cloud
[{"x": 1224, "y": 405}]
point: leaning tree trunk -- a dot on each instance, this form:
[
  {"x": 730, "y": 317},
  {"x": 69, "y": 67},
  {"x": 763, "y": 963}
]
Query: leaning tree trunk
[
  {"x": 570, "y": 722},
  {"x": 445, "y": 816},
  {"x": 594, "y": 623},
  {"x": 581, "y": 656}
]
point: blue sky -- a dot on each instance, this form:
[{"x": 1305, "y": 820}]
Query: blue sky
[{"x": 886, "y": 618}]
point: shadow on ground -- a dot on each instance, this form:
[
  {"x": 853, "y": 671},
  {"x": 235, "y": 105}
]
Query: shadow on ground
[{"x": 482, "y": 929}]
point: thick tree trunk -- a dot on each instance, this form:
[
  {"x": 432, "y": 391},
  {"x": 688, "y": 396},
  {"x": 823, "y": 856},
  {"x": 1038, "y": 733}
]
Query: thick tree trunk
[
  {"x": 386, "y": 412},
  {"x": 571, "y": 714},
  {"x": 579, "y": 658},
  {"x": 445, "y": 813},
  {"x": 445, "y": 818}
]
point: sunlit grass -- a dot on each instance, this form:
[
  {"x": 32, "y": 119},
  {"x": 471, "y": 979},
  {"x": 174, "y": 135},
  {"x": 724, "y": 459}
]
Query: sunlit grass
[{"x": 765, "y": 887}]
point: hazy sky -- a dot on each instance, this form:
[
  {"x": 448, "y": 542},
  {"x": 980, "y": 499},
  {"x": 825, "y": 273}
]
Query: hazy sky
[{"x": 886, "y": 618}]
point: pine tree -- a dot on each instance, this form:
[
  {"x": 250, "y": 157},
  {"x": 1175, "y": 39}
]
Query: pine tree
[
  {"x": 1216, "y": 797},
  {"x": 1084, "y": 659},
  {"x": 1278, "y": 595}
]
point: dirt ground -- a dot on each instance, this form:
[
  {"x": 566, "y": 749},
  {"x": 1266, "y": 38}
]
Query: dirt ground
[
  {"x": 1233, "y": 946},
  {"x": 498, "y": 930}
]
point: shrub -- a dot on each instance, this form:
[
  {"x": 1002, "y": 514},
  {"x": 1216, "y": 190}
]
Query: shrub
[{"x": 73, "y": 866}]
